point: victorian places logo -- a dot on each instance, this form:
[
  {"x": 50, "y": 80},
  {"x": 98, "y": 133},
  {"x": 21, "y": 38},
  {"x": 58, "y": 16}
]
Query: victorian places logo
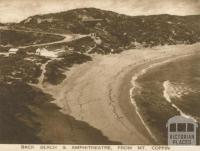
[{"x": 182, "y": 131}]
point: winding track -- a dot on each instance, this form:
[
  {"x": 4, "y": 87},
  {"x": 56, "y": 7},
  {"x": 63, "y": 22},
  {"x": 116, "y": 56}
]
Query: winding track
[
  {"x": 90, "y": 93},
  {"x": 66, "y": 38}
]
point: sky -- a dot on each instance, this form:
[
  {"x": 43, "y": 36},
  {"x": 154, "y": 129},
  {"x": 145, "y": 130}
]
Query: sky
[{"x": 17, "y": 10}]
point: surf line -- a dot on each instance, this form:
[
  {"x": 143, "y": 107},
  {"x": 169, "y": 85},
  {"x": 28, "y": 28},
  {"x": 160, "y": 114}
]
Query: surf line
[
  {"x": 166, "y": 95},
  {"x": 132, "y": 93},
  {"x": 135, "y": 86}
]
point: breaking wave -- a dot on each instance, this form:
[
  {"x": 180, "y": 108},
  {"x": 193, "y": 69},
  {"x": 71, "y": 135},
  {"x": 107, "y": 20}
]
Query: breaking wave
[
  {"x": 172, "y": 90},
  {"x": 136, "y": 89}
]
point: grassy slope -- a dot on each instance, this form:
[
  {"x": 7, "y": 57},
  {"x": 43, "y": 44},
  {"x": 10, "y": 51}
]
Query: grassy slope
[
  {"x": 119, "y": 31},
  {"x": 30, "y": 111},
  {"x": 27, "y": 114},
  {"x": 55, "y": 69},
  {"x": 19, "y": 38}
]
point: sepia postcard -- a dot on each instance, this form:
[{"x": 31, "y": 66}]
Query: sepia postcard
[{"x": 99, "y": 75}]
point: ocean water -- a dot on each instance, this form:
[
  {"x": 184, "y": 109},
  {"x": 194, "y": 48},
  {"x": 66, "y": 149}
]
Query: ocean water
[{"x": 164, "y": 91}]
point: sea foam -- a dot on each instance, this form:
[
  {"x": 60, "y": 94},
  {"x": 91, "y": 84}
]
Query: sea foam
[
  {"x": 171, "y": 91},
  {"x": 135, "y": 88}
]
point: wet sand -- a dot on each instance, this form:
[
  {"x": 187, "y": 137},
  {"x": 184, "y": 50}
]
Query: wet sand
[
  {"x": 128, "y": 108},
  {"x": 97, "y": 92}
]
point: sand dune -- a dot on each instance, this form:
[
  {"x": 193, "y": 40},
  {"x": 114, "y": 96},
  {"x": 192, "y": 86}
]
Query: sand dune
[{"x": 97, "y": 92}]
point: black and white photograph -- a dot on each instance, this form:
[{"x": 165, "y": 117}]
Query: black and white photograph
[{"x": 100, "y": 72}]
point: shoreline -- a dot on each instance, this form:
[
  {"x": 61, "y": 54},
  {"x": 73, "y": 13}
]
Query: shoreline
[
  {"x": 125, "y": 101},
  {"x": 94, "y": 92}
]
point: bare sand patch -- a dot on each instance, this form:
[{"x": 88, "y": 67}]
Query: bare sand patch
[{"x": 96, "y": 92}]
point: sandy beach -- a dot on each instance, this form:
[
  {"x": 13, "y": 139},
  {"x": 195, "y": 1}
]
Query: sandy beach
[{"x": 97, "y": 92}]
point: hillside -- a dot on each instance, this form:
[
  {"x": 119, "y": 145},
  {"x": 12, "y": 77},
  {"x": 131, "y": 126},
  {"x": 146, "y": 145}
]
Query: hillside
[
  {"x": 37, "y": 81},
  {"x": 118, "y": 31},
  {"x": 11, "y": 38}
]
